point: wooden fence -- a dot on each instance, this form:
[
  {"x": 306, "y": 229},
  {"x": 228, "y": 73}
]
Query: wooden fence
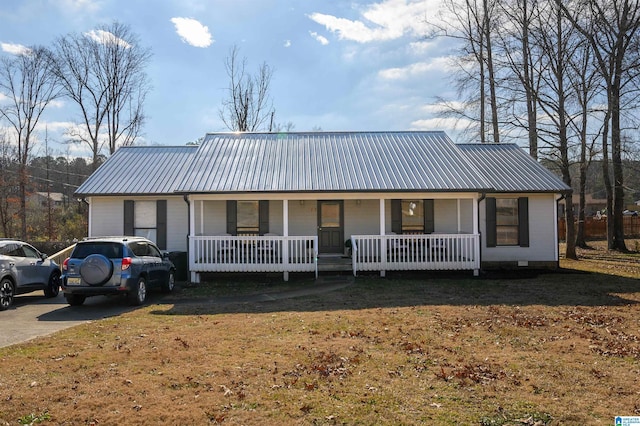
[{"x": 597, "y": 228}]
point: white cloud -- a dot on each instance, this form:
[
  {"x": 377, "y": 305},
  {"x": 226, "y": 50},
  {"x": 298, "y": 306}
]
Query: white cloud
[
  {"x": 442, "y": 64},
  {"x": 287, "y": 43},
  {"x": 15, "y": 49},
  {"x": 321, "y": 39},
  {"x": 387, "y": 20},
  {"x": 451, "y": 125},
  {"x": 192, "y": 32},
  {"x": 105, "y": 37}
]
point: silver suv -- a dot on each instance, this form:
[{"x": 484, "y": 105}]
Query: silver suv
[
  {"x": 24, "y": 269},
  {"x": 115, "y": 265}
]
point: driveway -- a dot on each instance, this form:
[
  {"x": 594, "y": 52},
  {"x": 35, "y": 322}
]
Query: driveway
[{"x": 34, "y": 315}]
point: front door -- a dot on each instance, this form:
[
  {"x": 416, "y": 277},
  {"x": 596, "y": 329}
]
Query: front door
[{"x": 330, "y": 227}]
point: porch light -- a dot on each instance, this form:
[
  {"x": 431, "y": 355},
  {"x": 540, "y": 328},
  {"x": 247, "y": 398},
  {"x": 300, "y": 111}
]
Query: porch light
[{"x": 302, "y": 202}]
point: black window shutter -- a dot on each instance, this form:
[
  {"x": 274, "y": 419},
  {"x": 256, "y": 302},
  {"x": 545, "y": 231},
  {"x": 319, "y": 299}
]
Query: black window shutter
[
  {"x": 429, "y": 217},
  {"x": 129, "y": 217},
  {"x": 396, "y": 216},
  {"x": 232, "y": 217},
  {"x": 523, "y": 221},
  {"x": 263, "y": 214},
  {"x": 161, "y": 224},
  {"x": 492, "y": 235}
]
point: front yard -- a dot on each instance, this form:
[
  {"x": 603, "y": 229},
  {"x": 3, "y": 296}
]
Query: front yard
[{"x": 556, "y": 348}]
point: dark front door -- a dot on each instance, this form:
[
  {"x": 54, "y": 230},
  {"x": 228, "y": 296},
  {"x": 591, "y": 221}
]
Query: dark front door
[{"x": 330, "y": 227}]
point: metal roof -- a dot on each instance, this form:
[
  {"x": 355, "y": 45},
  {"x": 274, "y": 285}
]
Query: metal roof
[
  {"x": 321, "y": 162},
  {"x": 510, "y": 169},
  {"x": 140, "y": 170},
  {"x": 331, "y": 161}
]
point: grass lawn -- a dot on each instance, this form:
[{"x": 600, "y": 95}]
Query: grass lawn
[{"x": 513, "y": 349}]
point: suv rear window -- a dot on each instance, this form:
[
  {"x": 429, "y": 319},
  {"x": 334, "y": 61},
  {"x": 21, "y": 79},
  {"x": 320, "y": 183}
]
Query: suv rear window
[{"x": 107, "y": 249}]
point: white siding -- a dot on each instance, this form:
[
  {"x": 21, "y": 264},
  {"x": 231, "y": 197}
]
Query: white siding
[
  {"x": 303, "y": 218},
  {"x": 177, "y": 224},
  {"x": 107, "y": 218},
  {"x": 361, "y": 217},
  {"x": 542, "y": 222}
]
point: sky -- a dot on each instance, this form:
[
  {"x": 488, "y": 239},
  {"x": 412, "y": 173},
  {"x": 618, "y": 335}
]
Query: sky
[{"x": 337, "y": 65}]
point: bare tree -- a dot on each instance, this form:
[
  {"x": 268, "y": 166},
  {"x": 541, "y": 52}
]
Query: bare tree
[
  {"x": 473, "y": 22},
  {"x": 103, "y": 72},
  {"x": 248, "y": 105},
  {"x": 28, "y": 81},
  {"x": 612, "y": 28},
  {"x": 524, "y": 61}
]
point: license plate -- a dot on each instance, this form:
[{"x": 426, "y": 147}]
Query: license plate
[{"x": 73, "y": 280}]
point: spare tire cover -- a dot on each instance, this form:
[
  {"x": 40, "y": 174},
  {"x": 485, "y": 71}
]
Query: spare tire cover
[{"x": 96, "y": 269}]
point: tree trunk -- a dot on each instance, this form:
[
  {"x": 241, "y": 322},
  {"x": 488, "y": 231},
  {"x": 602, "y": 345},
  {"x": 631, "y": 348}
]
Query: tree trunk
[{"x": 616, "y": 156}]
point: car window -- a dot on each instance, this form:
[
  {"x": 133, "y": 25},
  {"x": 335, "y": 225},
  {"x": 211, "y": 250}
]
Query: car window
[
  {"x": 153, "y": 251},
  {"x": 139, "y": 248},
  {"x": 30, "y": 252},
  {"x": 12, "y": 249},
  {"x": 112, "y": 250}
]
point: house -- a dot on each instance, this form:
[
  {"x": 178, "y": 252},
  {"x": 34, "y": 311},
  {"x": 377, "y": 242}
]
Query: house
[
  {"x": 267, "y": 202},
  {"x": 44, "y": 199}
]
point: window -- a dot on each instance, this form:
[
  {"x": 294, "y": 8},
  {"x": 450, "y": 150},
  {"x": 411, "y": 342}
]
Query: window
[
  {"x": 412, "y": 216},
  {"x": 507, "y": 221},
  {"x": 248, "y": 218},
  {"x": 147, "y": 219},
  {"x": 144, "y": 220}
]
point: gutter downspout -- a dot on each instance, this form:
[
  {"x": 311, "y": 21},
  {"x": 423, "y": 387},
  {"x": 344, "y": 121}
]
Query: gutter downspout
[
  {"x": 562, "y": 197},
  {"x": 185, "y": 197}
]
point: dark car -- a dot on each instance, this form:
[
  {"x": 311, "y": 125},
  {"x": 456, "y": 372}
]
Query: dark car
[
  {"x": 24, "y": 269},
  {"x": 116, "y": 266}
]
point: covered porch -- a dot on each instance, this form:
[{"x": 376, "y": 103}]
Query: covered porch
[{"x": 292, "y": 232}]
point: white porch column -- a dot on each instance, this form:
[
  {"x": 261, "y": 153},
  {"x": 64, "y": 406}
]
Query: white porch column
[
  {"x": 476, "y": 231},
  {"x": 285, "y": 243},
  {"x": 383, "y": 245},
  {"x": 458, "y": 207},
  {"x": 195, "y": 277},
  {"x": 201, "y": 217}
]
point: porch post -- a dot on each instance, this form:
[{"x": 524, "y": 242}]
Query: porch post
[
  {"x": 285, "y": 243},
  {"x": 476, "y": 232},
  {"x": 195, "y": 277},
  {"x": 201, "y": 217},
  {"x": 383, "y": 245},
  {"x": 458, "y": 204}
]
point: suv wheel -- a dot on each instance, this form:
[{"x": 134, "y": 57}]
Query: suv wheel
[
  {"x": 7, "y": 292},
  {"x": 138, "y": 295},
  {"x": 171, "y": 282},
  {"x": 75, "y": 299},
  {"x": 53, "y": 286}
]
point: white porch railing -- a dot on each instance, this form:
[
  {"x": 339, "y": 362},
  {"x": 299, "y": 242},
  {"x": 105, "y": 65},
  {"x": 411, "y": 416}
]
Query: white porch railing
[
  {"x": 415, "y": 252},
  {"x": 253, "y": 254}
]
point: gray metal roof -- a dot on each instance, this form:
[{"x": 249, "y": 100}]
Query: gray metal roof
[
  {"x": 321, "y": 162},
  {"x": 140, "y": 171},
  {"x": 331, "y": 161},
  {"x": 510, "y": 169}
]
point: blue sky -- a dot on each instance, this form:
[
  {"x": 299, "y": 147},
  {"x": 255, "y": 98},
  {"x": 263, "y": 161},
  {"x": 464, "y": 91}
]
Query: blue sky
[{"x": 338, "y": 65}]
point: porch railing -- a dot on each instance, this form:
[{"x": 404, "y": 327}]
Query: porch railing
[
  {"x": 253, "y": 254},
  {"x": 415, "y": 252}
]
